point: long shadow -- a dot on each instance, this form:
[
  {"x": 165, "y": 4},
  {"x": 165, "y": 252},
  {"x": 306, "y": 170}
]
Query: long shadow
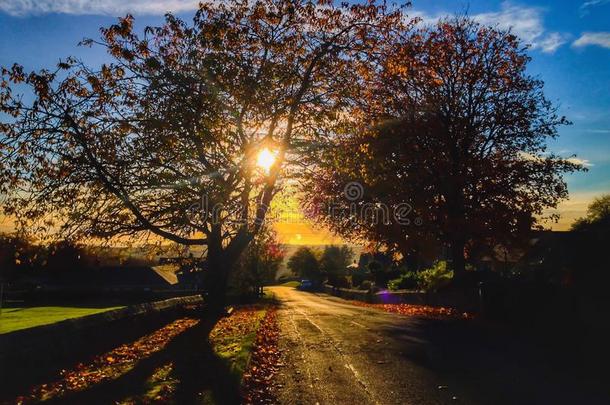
[
  {"x": 195, "y": 365},
  {"x": 494, "y": 364},
  {"x": 20, "y": 372}
]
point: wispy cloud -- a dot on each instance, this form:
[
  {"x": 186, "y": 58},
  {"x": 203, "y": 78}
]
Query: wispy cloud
[
  {"x": 572, "y": 159},
  {"x": 20, "y": 8},
  {"x": 593, "y": 38},
  {"x": 524, "y": 21},
  {"x": 585, "y": 8},
  {"x": 552, "y": 41},
  {"x": 578, "y": 161}
]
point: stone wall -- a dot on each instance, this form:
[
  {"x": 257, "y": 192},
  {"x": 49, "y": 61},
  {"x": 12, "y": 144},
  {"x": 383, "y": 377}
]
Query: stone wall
[{"x": 465, "y": 302}]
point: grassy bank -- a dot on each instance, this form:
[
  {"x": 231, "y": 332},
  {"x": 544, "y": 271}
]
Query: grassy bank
[
  {"x": 12, "y": 319},
  {"x": 293, "y": 284},
  {"x": 183, "y": 362}
]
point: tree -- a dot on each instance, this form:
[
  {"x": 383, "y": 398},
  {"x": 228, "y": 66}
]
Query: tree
[
  {"x": 585, "y": 252},
  {"x": 17, "y": 254},
  {"x": 304, "y": 263},
  {"x": 598, "y": 215},
  {"x": 334, "y": 262},
  {"x": 454, "y": 132},
  {"x": 259, "y": 263},
  {"x": 67, "y": 256},
  {"x": 161, "y": 142},
  {"x": 381, "y": 266}
]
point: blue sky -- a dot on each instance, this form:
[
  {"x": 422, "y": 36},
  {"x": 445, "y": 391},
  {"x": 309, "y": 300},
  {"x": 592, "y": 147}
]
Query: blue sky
[{"x": 570, "y": 42}]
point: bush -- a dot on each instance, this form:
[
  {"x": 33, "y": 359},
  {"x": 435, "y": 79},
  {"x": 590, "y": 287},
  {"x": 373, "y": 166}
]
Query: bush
[
  {"x": 429, "y": 280},
  {"x": 338, "y": 281},
  {"x": 407, "y": 281},
  {"x": 382, "y": 273},
  {"x": 360, "y": 275},
  {"x": 365, "y": 285},
  {"x": 436, "y": 277}
]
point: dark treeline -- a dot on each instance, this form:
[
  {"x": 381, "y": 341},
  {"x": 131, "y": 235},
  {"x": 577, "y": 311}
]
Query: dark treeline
[{"x": 21, "y": 257}]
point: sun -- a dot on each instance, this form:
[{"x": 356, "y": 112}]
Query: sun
[{"x": 265, "y": 159}]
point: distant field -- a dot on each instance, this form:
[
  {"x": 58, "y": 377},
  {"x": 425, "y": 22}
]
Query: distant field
[{"x": 13, "y": 319}]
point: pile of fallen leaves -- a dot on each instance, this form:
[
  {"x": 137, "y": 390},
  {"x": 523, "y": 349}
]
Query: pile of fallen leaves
[
  {"x": 264, "y": 362},
  {"x": 422, "y": 311},
  {"x": 109, "y": 365},
  {"x": 241, "y": 323}
]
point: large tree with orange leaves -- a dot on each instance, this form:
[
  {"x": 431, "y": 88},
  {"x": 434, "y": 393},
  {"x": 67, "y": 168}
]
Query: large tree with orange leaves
[
  {"x": 453, "y": 127},
  {"x": 161, "y": 141}
]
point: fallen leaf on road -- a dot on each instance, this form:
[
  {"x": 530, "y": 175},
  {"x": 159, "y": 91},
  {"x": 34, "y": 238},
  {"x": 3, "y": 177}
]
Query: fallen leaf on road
[{"x": 423, "y": 311}]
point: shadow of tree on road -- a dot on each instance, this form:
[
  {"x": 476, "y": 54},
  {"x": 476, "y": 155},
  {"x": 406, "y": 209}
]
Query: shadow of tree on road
[{"x": 496, "y": 364}]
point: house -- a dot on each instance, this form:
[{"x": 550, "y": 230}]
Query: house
[{"x": 116, "y": 278}]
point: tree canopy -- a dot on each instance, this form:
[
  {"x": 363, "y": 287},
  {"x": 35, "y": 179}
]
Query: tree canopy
[
  {"x": 453, "y": 137},
  {"x": 334, "y": 262},
  {"x": 161, "y": 141},
  {"x": 304, "y": 264}
]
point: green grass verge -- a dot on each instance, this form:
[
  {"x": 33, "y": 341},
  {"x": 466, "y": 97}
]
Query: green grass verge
[
  {"x": 293, "y": 284},
  {"x": 236, "y": 347},
  {"x": 12, "y": 319},
  {"x": 233, "y": 343}
]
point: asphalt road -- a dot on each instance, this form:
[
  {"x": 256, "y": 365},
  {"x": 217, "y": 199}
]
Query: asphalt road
[{"x": 337, "y": 353}]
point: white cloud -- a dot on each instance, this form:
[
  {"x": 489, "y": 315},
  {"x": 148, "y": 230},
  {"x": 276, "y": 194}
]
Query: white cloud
[
  {"x": 593, "y": 38},
  {"x": 524, "y": 21},
  {"x": 21, "y": 8},
  {"x": 426, "y": 19},
  {"x": 584, "y": 7},
  {"x": 572, "y": 159},
  {"x": 578, "y": 161},
  {"x": 552, "y": 41}
]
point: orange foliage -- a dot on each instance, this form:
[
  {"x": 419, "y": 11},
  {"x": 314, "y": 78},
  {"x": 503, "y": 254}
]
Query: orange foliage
[{"x": 423, "y": 311}]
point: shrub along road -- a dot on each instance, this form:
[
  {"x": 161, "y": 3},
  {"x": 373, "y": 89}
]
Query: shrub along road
[{"x": 334, "y": 352}]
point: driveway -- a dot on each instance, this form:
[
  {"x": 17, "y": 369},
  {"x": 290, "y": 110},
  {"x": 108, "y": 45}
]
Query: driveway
[{"x": 337, "y": 353}]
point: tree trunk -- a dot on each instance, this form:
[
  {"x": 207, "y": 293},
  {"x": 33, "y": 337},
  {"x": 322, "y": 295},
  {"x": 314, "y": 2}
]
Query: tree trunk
[
  {"x": 219, "y": 263},
  {"x": 458, "y": 263},
  {"x": 217, "y": 273},
  {"x": 216, "y": 284},
  {"x": 457, "y": 226}
]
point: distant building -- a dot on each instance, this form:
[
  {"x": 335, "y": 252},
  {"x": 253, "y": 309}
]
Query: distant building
[{"x": 120, "y": 278}]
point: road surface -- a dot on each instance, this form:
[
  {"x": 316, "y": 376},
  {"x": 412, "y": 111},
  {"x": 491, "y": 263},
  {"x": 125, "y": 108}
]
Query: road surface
[{"x": 337, "y": 353}]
